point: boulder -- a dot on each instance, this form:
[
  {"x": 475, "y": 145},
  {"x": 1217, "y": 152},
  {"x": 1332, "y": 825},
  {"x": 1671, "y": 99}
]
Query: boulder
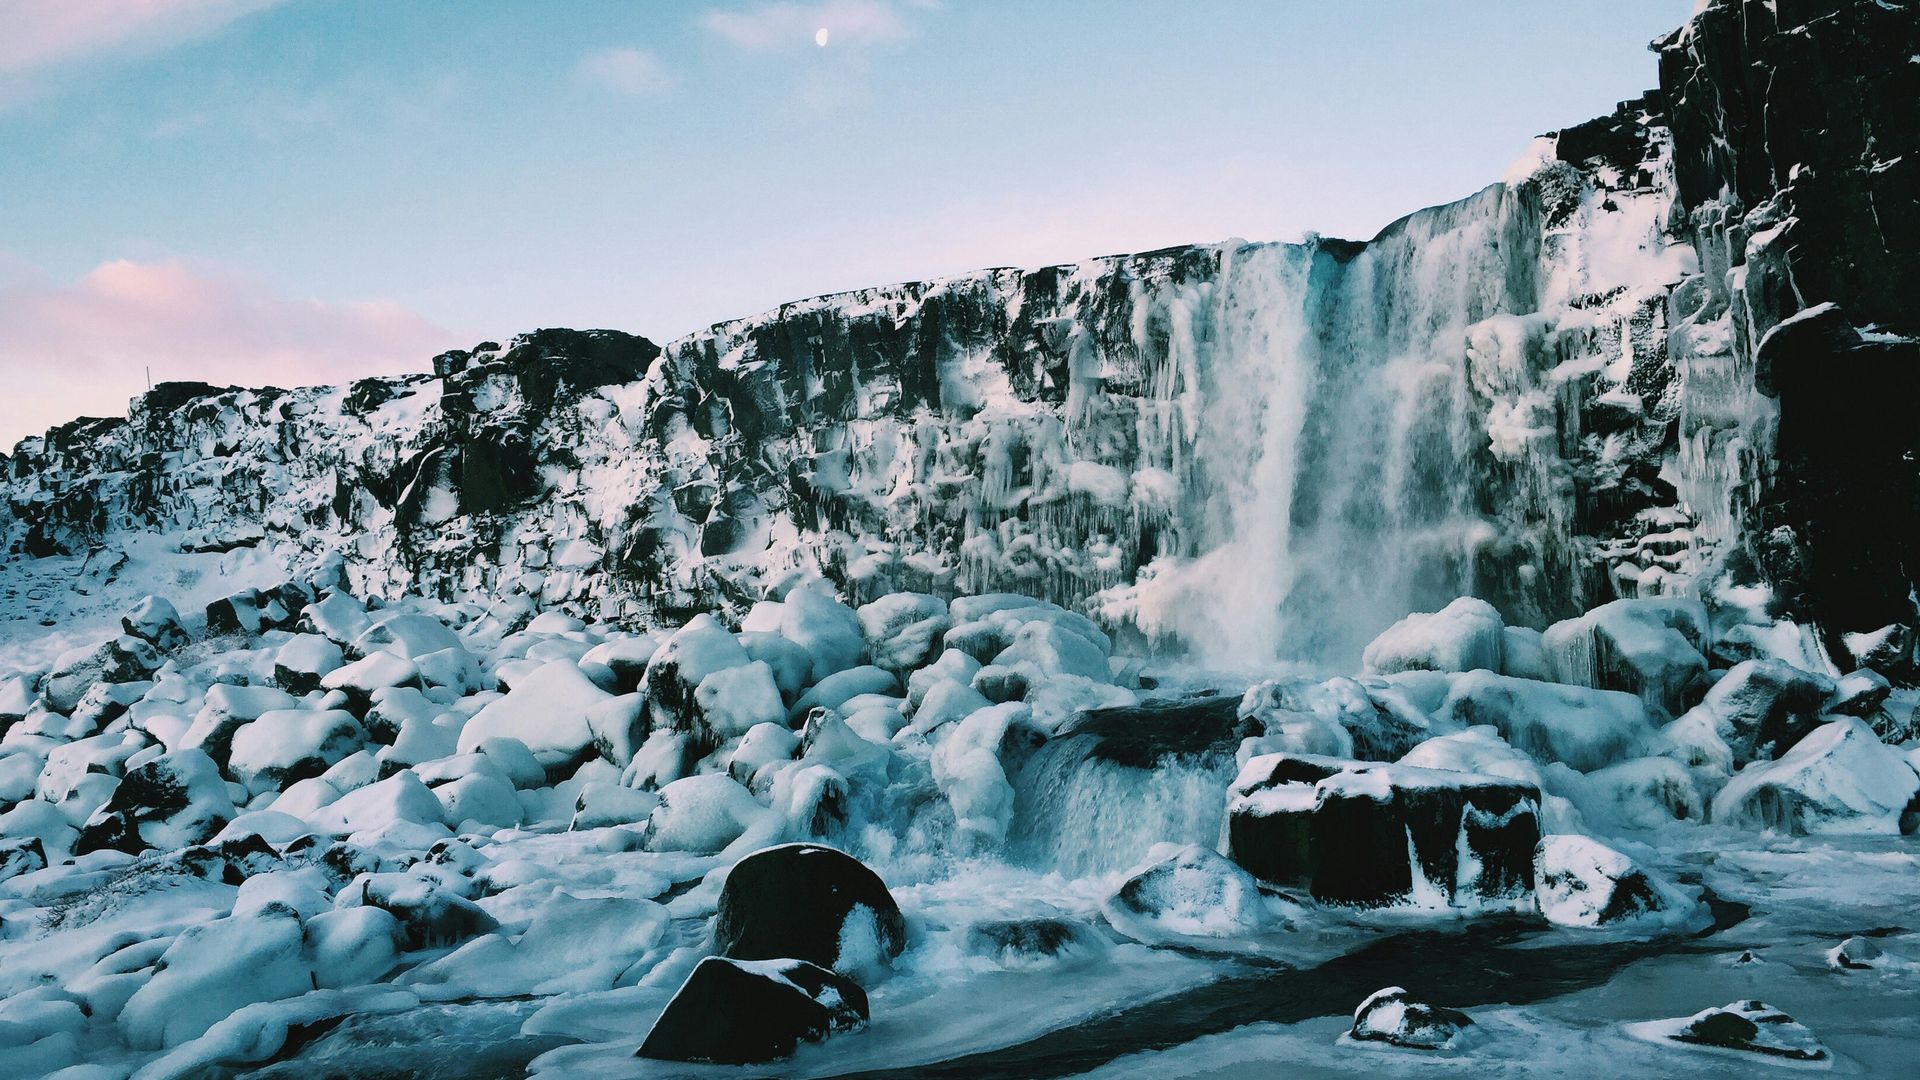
[
  {"x": 1369, "y": 835},
  {"x": 828, "y": 629},
  {"x": 547, "y": 711},
  {"x": 1839, "y": 779},
  {"x": 123, "y": 659},
  {"x": 701, "y": 814},
  {"x": 1584, "y": 728},
  {"x": 211, "y": 971},
  {"x": 734, "y": 1012},
  {"x": 430, "y": 912},
  {"x": 674, "y": 673},
  {"x": 155, "y": 621},
  {"x": 285, "y": 745},
  {"x": 1584, "y": 883},
  {"x": 1465, "y": 635},
  {"x": 1750, "y": 1027},
  {"x": 21, "y": 855},
  {"x": 170, "y": 802},
  {"x": 299, "y": 665},
  {"x": 1760, "y": 708},
  {"x": 1187, "y": 891},
  {"x": 1649, "y": 647},
  {"x": 808, "y": 902},
  {"x": 903, "y": 629},
  {"x": 1391, "y": 1017}
]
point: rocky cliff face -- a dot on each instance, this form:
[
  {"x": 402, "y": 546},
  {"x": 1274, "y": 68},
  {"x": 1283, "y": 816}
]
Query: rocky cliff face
[{"x": 1560, "y": 389}]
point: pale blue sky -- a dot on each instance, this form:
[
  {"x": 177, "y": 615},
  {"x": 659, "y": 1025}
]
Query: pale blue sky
[{"x": 310, "y": 190}]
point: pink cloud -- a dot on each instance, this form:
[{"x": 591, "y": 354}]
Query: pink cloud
[
  {"x": 85, "y": 347},
  {"x": 39, "y": 35}
]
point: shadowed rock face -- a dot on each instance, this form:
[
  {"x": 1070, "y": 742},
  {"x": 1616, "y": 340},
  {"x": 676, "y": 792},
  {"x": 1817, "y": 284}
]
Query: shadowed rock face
[{"x": 1370, "y": 835}]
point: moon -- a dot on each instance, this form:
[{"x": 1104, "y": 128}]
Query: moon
[{"x": 820, "y": 37}]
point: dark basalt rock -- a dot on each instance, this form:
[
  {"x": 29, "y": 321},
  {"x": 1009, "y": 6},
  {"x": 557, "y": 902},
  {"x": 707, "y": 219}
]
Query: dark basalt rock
[
  {"x": 1354, "y": 833},
  {"x": 161, "y": 790},
  {"x": 1142, "y": 736},
  {"x": 793, "y": 901},
  {"x": 734, "y": 1013},
  {"x": 1390, "y": 1016}
]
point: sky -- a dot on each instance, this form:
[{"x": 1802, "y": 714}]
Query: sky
[{"x": 294, "y": 192}]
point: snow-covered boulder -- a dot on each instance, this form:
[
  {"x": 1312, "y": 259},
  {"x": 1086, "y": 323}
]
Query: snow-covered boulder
[
  {"x": 1391, "y": 1016},
  {"x": 1188, "y": 891},
  {"x": 808, "y": 902},
  {"x": 481, "y": 800},
  {"x": 1641, "y": 793},
  {"x": 951, "y": 666},
  {"x": 339, "y": 617},
  {"x": 1582, "y": 882},
  {"x": 828, "y": 629},
  {"x": 398, "y": 800},
  {"x": 618, "y": 726},
  {"x": 574, "y": 945},
  {"x": 154, "y": 620},
  {"x": 1336, "y": 717},
  {"x": 351, "y": 946},
  {"x": 702, "y": 814},
  {"x": 405, "y": 634},
  {"x": 1744, "y": 1027},
  {"x": 1369, "y": 835},
  {"x": 967, "y": 767},
  {"x": 903, "y": 629},
  {"x": 674, "y": 673},
  {"x": 122, "y": 659},
  {"x": 602, "y": 804},
  {"x": 299, "y": 665},
  {"x": 734, "y": 1012},
  {"x": 284, "y": 745},
  {"x": 170, "y": 802},
  {"x": 211, "y": 971},
  {"x": 1584, "y": 728},
  {"x": 843, "y": 686},
  {"x": 430, "y": 910},
  {"x": 1839, "y": 779},
  {"x": 1761, "y": 708},
  {"x": 1466, "y": 635},
  {"x": 1649, "y": 647},
  {"x": 733, "y": 700},
  {"x": 547, "y": 711}
]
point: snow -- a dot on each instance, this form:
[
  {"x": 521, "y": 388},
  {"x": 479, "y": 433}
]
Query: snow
[
  {"x": 735, "y": 699},
  {"x": 967, "y": 768},
  {"x": 1586, "y": 729}
]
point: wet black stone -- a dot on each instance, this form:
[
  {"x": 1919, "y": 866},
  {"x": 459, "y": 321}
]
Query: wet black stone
[
  {"x": 792, "y": 901},
  {"x": 731, "y": 1014},
  {"x": 1022, "y": 937},
  {"x": 1142, "y": 736},
  {"x": 1352, "y": 849}
]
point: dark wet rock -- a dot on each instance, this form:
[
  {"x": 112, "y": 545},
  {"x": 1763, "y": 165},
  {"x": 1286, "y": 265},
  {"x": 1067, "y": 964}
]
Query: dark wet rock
[
  {"x": 796, "y": 901},
  {"x": 1764, "y": 707},
  {"x": 1144, "y": 736},
  {"x": 1025, "y": 940},
  {"x": 1390, "y": 1016},
  {"x": 1188, "y": 891},
  {"x": 1371, "y": 835},
  {"x": 250, "y": 611},
  {"x": 734, "y": 1012}
]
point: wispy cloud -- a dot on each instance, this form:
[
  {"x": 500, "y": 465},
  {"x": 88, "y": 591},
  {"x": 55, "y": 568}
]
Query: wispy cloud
[
  {"x": 84, "y": 347},
  {"x": 626, "y": 71},
  {"x": 38, "y": 35},
  {"x": 787, "y": 24}
]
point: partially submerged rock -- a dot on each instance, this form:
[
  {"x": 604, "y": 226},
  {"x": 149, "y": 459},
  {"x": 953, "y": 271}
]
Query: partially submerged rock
[
  {"x": 1371, "y": 835},
  {"x": 1391, "y": 1016},
  {"x": 739, "y": 1012},
  {"x": 1750, "y": 1027},
  {"x": 808, "y": 902}
]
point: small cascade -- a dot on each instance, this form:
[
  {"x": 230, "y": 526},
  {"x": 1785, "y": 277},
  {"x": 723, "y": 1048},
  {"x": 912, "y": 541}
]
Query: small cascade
[{"x": 1097, "y": 797}]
